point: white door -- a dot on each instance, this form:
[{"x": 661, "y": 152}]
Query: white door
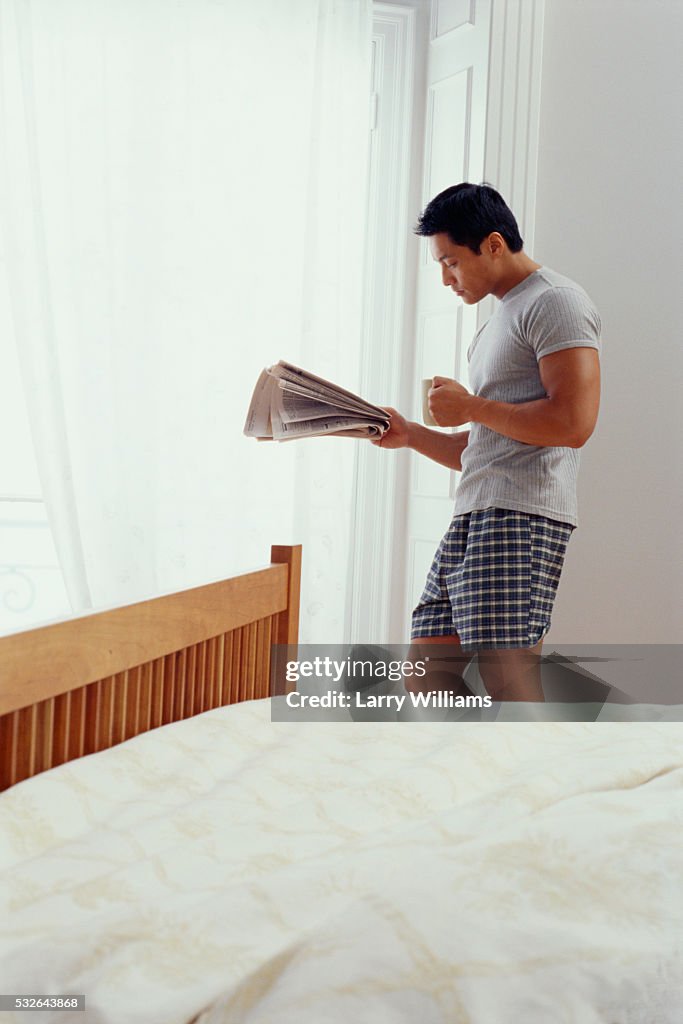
[
  {"x": 456, "y": 96},
  {"x": 455, "y": 132}
]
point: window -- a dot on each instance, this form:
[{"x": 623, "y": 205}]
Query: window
[{"x": 31, "y": 583}]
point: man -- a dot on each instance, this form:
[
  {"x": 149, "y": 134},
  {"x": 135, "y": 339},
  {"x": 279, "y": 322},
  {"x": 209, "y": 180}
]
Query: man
[{"x": 535, "y": 379}]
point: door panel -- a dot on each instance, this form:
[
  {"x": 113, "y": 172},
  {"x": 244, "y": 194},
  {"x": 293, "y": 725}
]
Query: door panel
[{"x": 457, "y": 79}]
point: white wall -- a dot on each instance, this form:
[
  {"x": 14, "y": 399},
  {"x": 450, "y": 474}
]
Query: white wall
[{"x": 610, "y": 215}]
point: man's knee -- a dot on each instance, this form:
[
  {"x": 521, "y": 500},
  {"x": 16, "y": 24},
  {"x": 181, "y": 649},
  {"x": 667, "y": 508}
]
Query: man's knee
[
  {"x": 512, "y": 674},
  {"x": 444, "y": 664}
]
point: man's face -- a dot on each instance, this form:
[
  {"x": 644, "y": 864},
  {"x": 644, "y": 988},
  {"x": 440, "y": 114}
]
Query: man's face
[{"x": 468, "y": 274}]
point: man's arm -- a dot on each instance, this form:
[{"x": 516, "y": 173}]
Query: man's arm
[
  {"x": 445, "y": 449},
  {"x": 565, "y": 418}
]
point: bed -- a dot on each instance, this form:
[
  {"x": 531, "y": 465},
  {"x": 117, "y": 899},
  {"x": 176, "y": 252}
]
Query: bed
[
  {"x": 219, "y": 867},
  {"x": 79, "y": 686}
]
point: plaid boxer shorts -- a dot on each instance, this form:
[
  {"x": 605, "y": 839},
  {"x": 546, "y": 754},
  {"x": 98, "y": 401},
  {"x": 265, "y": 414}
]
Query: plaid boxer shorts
[{"x": 493, "y": 580}]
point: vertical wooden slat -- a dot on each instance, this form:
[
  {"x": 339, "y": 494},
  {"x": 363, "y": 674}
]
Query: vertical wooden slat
[
  {"x": 225, "y": 672},
  {"x": 35, "y": 711},
  {"x": 44, "y": 735},
  {"x": 36, "y": 737},
  {"x": 231, "y": 652},
  {"x": 145, "y": 703},
  {"x": 243, "y": 681},
  {"x": 131, "y": 725},
  {"x": 6, "y": 744},
  {"x": 253, "y": 661},
  {"x": 16, "y": 721},
  {"x": 180, "y": 685},
  {"x": 156, "y": 704},
  {"x": 76, "y": 718},
  {"x": 218, "y": 669},
  {"x": 97, "y": 717},
  {"x": 60, "y": 742},
  {"x": 33, "y": 720},
  {"x": 268, "y": 649},
  {"x": 256, "y": 689},
  {"x": 200, "y": 686},
  {"x": 203, "y": 692},
  {"x": 112, "y": 699},
  {"x": 206, "y": 675},
  {"x": 169, "y": 687},
  {"x": 50, "y": 737},
  {"x": 221, "y": 664},
  {"x": 118, "y": 707},
  {"x": 238, "y": 638},
  {"x": 214, "y": 661},
  {"x": 215, "y": 669},
  {"x": 191, "y": 680},
  {"x": 263, "y": 688},
  {"x": 23, "y": 762},
  {"x": 248, "y": 667},
  {"x": 106, "y": 713},
  {"x": 272, "y": 686},
  {"x": 240, "y": 671},
  {"x": 8, "y": 748},
  {"x": 92, "y": 717}
]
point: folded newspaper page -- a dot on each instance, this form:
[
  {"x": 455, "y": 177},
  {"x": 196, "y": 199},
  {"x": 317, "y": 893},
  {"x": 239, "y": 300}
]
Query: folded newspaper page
[{"x": 289, "y": 403}]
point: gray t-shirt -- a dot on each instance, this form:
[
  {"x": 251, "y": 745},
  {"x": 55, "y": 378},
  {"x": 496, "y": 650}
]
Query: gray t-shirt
[{"x": 546, "y": 312}]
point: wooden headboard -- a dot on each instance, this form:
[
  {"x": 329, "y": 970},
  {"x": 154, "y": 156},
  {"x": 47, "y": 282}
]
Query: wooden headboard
[{"x": 85, "y": 684}]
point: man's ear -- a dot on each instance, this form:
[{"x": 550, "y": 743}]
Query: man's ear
[{"x": 495, "y": 244}]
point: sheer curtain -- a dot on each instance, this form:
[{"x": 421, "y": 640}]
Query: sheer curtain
[{"x": 183, "y": 202}]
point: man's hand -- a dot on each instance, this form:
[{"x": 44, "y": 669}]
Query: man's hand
[
  {"x": 446, "y": 449},
  {"x": 397, "y": 435},
  {"x": 449, "y": 402}
]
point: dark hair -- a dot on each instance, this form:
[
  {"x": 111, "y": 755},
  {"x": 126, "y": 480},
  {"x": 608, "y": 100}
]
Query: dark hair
[{"x": 468, "y": 214}]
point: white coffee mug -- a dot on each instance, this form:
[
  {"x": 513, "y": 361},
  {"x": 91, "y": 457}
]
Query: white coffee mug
[{"x": 426, "y": 414}]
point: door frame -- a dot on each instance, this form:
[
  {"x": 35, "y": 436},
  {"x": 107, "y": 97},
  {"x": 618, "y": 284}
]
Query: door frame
[{"x": 405, "y": 36}]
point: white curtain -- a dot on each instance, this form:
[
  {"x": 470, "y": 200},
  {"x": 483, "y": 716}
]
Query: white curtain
[{"x": 183, "y": 202}]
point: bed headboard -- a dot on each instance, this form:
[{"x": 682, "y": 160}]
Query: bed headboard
[{"x": 85, "y": 684}]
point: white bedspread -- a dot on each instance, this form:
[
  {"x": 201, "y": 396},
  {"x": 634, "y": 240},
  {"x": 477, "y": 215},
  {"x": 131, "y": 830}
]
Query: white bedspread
[{"x": 227, "y": 869}]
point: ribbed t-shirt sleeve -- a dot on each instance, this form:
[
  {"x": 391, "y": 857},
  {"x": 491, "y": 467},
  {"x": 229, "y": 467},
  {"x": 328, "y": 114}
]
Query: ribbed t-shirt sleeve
[{"x": 562, "y": 318}]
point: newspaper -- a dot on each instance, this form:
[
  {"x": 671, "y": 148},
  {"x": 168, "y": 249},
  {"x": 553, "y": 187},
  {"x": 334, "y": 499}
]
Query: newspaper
[{"x": 289, "y": 403}]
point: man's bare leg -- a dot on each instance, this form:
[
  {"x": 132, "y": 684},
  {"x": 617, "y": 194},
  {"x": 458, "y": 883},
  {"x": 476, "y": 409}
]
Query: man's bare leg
[
  {"x": 513, "y": 674},
  {"x": 446, "y": 661}
]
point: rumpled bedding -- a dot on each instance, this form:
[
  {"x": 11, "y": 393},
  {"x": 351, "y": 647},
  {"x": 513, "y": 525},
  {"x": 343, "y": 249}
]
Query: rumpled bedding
[{"x": 232, "y": 870}]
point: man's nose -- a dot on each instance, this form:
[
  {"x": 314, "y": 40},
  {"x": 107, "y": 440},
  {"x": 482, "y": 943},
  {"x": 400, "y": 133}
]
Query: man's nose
[{"x": 446, "y": 276}]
